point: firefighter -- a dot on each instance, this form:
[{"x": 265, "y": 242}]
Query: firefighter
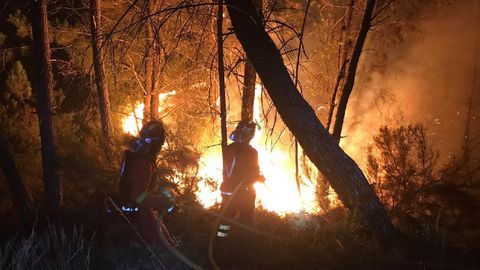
[
  {"x": 241, "y": 171},
  {"x": 137, "y": 172}
]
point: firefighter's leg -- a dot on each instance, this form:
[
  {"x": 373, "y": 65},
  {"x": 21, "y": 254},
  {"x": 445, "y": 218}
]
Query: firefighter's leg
[
  {"x": 244, "y": 237},
  {"x": 223, "y": 243},
  {"x": 247, "y": 207},
  {"x": 224, "y": 227},
  {"x": 147, "y": 226}
]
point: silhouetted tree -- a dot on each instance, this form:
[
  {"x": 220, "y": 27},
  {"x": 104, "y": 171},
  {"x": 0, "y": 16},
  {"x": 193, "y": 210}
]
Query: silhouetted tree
[
  {"x": 341, "y": 171},
  {"x": 344, "y": 52},
  {"x": 100, "y": 80},
  {"x": 249, "y": 79},
  {"x": 352, "y": 70},
  {"x": 14, "y": 181},
  {"x": 149, "y": 76},
  {"x": 43, "y": 85}
]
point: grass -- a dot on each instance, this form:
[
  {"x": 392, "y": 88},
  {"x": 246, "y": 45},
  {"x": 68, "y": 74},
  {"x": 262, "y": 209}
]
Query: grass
[{"x": 52, "y": 248}]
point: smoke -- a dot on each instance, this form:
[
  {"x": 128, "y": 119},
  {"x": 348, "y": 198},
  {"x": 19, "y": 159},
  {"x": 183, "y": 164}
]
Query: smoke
[{"x": 427, "y": 79}]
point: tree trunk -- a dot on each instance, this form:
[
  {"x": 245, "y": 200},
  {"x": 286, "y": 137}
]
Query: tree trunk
[
  {"x": 156, "y": 77},
  {"x": 467, "y": 141},
  {"x": 14, "y": 181},
  {"x": 248, "y": 96},
  {"x": 342, "y": 172},
  {"x": 352, "y": 70},
  {"x": 344, "y": 51},
  {"x": 102, "y": 89},
  {"x": 249, "y": 78},
  {"x": 156, "y": 72},
  {"x": 150, "y": 53},
  {"x": 221, "y": 78},
  {"x": 148, "y": 70},
  {"x": 43, "y": 86}
]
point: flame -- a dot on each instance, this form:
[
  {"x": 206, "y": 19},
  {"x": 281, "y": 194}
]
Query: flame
[
  {"x": 279, "y": 192},
  {"x": 132, "y": 123}
]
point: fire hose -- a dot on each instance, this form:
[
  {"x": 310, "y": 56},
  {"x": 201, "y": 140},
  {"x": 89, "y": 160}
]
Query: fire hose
[
  {"x": 220, "y": 216},
  {"x": 170, "y": 248},
  {"x": 213, "y": 233}
]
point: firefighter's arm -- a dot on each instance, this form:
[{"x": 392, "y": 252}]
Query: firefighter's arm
[{"x": 255, "y": 175}]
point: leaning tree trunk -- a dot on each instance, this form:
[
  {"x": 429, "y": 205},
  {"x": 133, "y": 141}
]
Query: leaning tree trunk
[
  {"x": 43, "y": 85},
  {"x": 100, "y": 78},
  {"x": 14, "y": 181},
  {"x": 342, "y": 172},
  {"x": 352, "y": 70}
]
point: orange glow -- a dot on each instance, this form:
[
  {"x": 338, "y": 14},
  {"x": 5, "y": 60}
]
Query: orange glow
[
  {"x": 132, "y": 123},
  {"x": 278, "y": 193}
]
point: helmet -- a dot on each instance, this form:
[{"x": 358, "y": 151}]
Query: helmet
[
  {"x": 152, "y": 137},
  {"x": 244, "y": 132}
]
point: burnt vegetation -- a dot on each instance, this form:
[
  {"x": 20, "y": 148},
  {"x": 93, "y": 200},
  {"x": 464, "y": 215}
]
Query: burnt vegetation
[{"x": 332, "y": 85}]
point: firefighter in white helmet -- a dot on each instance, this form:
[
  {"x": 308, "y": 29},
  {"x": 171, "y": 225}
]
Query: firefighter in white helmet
[{"x": 241, "y": 170}]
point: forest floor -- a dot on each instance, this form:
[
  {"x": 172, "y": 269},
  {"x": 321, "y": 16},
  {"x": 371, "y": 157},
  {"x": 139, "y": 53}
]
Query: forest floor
[{"x": 331, "y": 241}]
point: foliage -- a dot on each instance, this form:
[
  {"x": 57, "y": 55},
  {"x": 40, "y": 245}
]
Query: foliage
[
  {"x": 420, "y": 194},
  {"x": 402, "y": 165},
  {"x": 21, "y": 23}
]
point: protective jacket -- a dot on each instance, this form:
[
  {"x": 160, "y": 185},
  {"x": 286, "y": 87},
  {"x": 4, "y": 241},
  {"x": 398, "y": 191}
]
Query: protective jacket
[
  {"x": 240, "y": 169},
  {"x": 240, "y": 165}
]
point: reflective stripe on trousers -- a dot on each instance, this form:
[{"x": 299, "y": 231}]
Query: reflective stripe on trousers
[{"x": 223, "y": 230}]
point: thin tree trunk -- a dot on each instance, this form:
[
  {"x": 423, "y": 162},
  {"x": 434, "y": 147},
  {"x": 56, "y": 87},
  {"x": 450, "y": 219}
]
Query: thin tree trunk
[
  {"x": 342, "y": 172},
  {"x": 249, "y": 78},
  {"x": 467, "y": 149},
  {"x": 156, "y": 81},
  {"x": 221, "y": 78},
  {"x": 14, "y": 181},
  {"x": 248, "y": 97},
  {"x": 352, "y": 70},
  {"x": 43, "y": 86},
  {"x": 344, "y": 51},
  {"x": 149, "y": 53},
  {"x": 297, "y": 69},
  {"x": 156, "y": 71},
  {"x": 100, "y": 79}
]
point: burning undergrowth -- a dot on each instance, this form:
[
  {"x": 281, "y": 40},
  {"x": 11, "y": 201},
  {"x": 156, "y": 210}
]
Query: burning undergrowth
[{"x": 279, "y": 193}]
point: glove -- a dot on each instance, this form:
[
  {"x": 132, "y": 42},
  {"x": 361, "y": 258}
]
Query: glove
[{"x": 169, "y": 199}]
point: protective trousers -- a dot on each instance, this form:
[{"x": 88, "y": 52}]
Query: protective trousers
[{"x": 241, "y": 205}]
